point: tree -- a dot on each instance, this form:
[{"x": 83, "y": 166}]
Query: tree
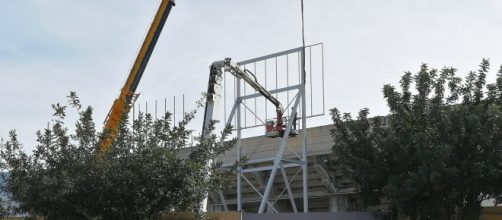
[
  {"x": 440, "y": 153},
  {"x": 140, "y": 176}
]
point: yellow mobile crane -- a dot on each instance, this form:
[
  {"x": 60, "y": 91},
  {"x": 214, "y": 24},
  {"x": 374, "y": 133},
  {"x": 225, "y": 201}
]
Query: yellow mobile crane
[{"x": 122, "y": 104}]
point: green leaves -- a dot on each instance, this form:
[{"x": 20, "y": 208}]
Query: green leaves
[
  {"x": 437, "y": 157},
  {"x": 139, "y": 177}
]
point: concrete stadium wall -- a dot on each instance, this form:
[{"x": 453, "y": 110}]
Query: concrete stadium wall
[{"x": 319, "y": 141}]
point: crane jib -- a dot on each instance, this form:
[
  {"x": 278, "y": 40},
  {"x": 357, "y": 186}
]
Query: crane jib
[
  {"x": 121, "y": 106},
  {"x": 150, "y": 48}
]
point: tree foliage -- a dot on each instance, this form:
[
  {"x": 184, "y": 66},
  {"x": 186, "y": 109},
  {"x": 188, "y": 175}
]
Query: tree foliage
[
  {"x": 142, "y": 174},
  {"x": 438, "y": 154}
]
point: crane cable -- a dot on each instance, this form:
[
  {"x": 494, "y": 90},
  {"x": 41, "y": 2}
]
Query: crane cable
[
  {"x": 303, "y": 56},
  {"x": 303, "y": 45},
  {"x": 303, "y": 27}
]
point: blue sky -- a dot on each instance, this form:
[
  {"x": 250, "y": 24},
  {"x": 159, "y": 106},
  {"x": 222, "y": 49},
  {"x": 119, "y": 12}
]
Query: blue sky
[{"x": 49, "y": 48}]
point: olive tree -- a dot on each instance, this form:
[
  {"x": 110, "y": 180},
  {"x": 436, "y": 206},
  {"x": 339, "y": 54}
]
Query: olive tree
[
  {"x": 142, "y": 175},
  {"x": 438, "y": 154}
]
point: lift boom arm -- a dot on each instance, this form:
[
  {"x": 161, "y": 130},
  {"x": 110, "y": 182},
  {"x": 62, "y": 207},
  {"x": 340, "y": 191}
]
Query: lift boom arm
[
  {"x": 250, "y": 78},
  {"x": 122, "y": 104},
  {"x": 214, "y": 85}
]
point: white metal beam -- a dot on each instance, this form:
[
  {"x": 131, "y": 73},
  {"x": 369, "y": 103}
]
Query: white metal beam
[
  {"x": 259, "y": 193},
  {"x": 256, "y": 169},
  {"x": 238, "y": 148},
  {"x": 223, "y": 201},
  {"x": 280, "y": 151},
  {"x": 290, "y": 193}
]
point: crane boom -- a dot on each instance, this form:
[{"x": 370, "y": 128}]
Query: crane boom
[{"x": 121, "y": 105}]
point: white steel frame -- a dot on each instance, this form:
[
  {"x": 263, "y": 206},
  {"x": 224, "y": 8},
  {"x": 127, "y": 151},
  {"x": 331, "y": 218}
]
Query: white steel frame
[{"x": 279, "y": 162}]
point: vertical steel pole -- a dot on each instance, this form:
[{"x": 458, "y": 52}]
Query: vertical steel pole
[
  {"x": 266, "y": 102},
  {"x": 287, "y": 82},
  {"x": 304, "y": 136},
  {"x": 238, "y": 148},
  {"x": 304, "y": 121},
  {"x": 310, "y": 82},
  {"x": 322, "y": 64}
]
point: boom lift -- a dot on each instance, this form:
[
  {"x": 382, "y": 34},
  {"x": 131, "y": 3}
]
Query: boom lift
[
  {"x": 122, "y": 105},
  {"x": 272, "y": 128}
]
